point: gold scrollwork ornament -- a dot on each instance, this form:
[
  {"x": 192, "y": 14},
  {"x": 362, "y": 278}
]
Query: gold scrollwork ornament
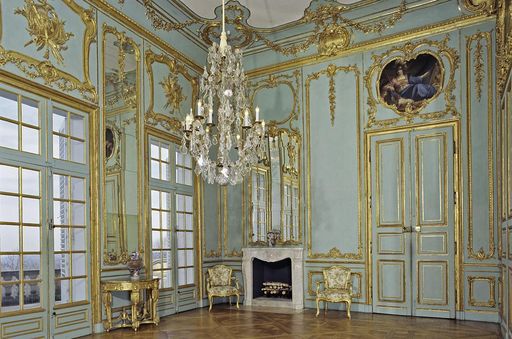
[
  {"x": 173, "y": 92},
  {"x": 45, "y": 28}
]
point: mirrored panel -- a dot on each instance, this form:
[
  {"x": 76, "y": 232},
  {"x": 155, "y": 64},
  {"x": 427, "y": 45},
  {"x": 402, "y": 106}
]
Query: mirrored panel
[{"x": 121, "y": 142}]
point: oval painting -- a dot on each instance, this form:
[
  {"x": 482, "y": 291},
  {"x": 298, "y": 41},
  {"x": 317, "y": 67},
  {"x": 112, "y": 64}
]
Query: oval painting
[
  {"x": 110, "y": 143},
  {"x": 407, "y": 86}
]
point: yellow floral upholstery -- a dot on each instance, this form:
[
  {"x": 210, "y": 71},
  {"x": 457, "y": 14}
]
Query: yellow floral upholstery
[
  {"x": 218, "y": 284},
  {"x": 337, "y": 287}
]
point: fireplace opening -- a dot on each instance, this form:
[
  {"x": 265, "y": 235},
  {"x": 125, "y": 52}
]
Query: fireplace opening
[{"x": 272, "y": 279}]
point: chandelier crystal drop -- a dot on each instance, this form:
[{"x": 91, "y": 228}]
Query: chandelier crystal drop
[{"x": 235, "y": 141}]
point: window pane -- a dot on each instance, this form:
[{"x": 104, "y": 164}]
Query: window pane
[
  {"x": 166, "y": 238},
  {"x": 158, "y": 274},
  {"x": 30, "y": 111},
  {"x": 77, "y": 188},
  {"x": 31, "y": 267},
  {"x": 31, "y": 239},
  {"x": 180, "y": 221},
  {"x": 155, "y": 240},
  {"x": 179, "y": 176},
  {"x": 155, "y": 169},
  {"x": 10, "y": 265},
  {"x": 190, "y": 258},
  {"x": 165, "y": 201},
  {"x": 30, "y": 140},
  {"x": 62, "y": 265},
  {"x": 31, "y": 211},
  {"x": 78, "y": 214},
  {"x": 30, "y": 181},
  {"x": 8, "y": 105},
  {"x": 9, "y": 208},
  {"x": 188, "y": 177},
  {"x": 164, "y": 153},
  {"x": 9, "y": 239},
  {"x": 189, "y": 238},
  {"x": 62, "y": 291},
  {"x": 32, "y": 295},
  {"x": 181, "y": 239},
  {"x": 188, "y": 203},
  {"x": 61, "y": 239},
  {"x": 60, "y": 124},
  {"x": 155, "y": 219},
  {"x": 8, "y": 135},
  {"x": 157, "y": 262},
  {"x": 60, "y": 187},
  {"x": 79, "y": 290},
  {"x": 181, "y": 259},
  {"x": 9, "y": 179},
  {"x": 165, "y": 171},
  {"x": 155, "y": 199},
  {"x": 155, "y": 151},
  {"x": 165, "y": 220},
  {"x": 166, "y": 279},
  {"x": 189, "y": 223},
  {"x": 77, "y": 126},
  {"x": 78, "y": 239},
  {"x": 77, "y": 151},
  {"x": 181, "y": 276},
  {"x": 10, "y": 298},
  {"x": 60, "y": 147},
  {"x": 61, "y": 213},
  {"x": 167, "y": 259},
  {"x": 78, "y": 264},
  {"x": 190, "y": 276}
]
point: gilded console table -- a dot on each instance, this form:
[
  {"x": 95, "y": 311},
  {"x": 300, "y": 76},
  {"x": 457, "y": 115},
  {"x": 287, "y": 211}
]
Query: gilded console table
[{"x": 142, "y": 312}]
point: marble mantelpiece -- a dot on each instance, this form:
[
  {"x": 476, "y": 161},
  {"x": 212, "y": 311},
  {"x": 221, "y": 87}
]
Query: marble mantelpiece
[{"x": 273, "y": 254}]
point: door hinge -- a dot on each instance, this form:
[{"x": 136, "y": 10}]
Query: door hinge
[
  {"x": 371, "y": 248},
  {"x": 369, "y": 156},
  {"x": 455, "y": 197},
  {"x": 370, "y": 200},
  {"x": 51, "y": 226},
  {"x": 455, "y": 247},
  {"x": 454, "y": 147}
]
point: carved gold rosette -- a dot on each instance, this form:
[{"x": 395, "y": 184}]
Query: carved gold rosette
[{"x": 444, "y": 54}]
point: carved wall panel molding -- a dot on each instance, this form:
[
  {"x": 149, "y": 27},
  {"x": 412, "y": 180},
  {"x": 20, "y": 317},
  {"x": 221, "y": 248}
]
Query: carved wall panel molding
[
  {"x": 171, "y": 88},
  {"x": 503, "y": 44},
  {"x": 48, "y": 32},
  {"x": 329, "y": 72},
  {"x": 403, "y": 54}
]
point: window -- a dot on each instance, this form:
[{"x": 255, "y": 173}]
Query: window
[
  {"x": 69, "y": 238},
  {"x": 185, "y": 237},
  {"x": 68, "y": 136},
  {"x": 259, "y": 192},
  {"x": 172, "y": 215},
  {"x": 20, "y": 123},
  {"x": 161, "y": 237},
  {"x": 20, "y": 238}
]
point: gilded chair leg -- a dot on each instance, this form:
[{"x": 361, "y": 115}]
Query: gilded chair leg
[
  {"x": 237, "y": 301},
  {"x": 210, "y": 300},
  {"x": 348, "y": 308},
  {"x": 317, "y": 307}
]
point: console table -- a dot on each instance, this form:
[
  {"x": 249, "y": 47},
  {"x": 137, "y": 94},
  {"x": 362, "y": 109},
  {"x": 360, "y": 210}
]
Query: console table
[{"x": 142, "y": 312}]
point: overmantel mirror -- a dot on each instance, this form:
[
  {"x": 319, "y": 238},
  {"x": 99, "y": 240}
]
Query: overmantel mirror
[
  {"x": 121, "y": 163},
  {"x": 274, "y": 190}
]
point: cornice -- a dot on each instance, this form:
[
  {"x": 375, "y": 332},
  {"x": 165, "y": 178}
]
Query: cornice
[{"x": 429, "y": 30}]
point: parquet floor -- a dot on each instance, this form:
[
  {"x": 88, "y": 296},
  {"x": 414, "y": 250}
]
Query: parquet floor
[{"x": 226, "y": 322}]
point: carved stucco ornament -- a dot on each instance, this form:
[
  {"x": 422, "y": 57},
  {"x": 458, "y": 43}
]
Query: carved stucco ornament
[
  {"x": 173, "y": 93},
  {"x": 333, "y": 40},
  {"x": 45, "y": 28}
]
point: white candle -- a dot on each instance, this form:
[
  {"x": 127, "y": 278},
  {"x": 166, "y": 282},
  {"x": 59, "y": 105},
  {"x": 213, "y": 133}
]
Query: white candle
[
  {"x": 257, "y": 113},
  {"x": 246, "y": 117},
  {"x": 210, "y": 116},
  {"x": 199, "y": 108}
]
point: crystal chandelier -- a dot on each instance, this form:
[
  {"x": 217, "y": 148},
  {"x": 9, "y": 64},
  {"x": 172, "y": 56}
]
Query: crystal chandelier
[{"x": 235, "y": 141}]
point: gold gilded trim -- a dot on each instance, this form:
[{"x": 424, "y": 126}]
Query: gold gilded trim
[
  {"x": 492, "y": 294},
  {"x": 333, "y": 253},
  {"x": 409, "y": 51},
  {"x": 154, "y": 118},
  {"x": 479, "y": 6},
  {"x": 503, "y": 44},
  {"x": 480, "y": 254},
  {"x": 52, "y": 76},
  {"x": 292, "y": 81}
]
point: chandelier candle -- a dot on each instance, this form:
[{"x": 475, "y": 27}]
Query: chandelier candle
[{"x": 237, "y": 144}]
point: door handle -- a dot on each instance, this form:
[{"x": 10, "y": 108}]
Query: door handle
[
  {"x": 407, "y": 229},
  {"x": 417, "y": 229}
]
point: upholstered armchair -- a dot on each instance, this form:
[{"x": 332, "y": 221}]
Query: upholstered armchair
[
  {"x": 219, "y": 284},
  {"x": 337, "y": 288}
]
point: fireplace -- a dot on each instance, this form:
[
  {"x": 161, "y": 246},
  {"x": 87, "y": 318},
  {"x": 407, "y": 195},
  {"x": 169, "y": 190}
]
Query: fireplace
[
  {"x": 271, "y": 279},
  {"x": 270, "y": 268}
]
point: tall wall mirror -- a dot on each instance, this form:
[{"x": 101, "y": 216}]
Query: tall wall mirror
[
  {"x": 274, "y": 190},
  {"x": 121, "y": 155}
]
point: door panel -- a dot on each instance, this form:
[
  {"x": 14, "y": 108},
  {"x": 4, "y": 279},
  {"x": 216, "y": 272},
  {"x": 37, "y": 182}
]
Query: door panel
[
  {"x": 391, "y": 265},
  {"x": 412, "y": 186},
  {"x": 433, "y": 250}
]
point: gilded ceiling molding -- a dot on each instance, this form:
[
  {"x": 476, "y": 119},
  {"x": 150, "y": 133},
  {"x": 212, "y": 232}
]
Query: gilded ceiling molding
[
  {"x": 47, "y": 31},
  {"x": 479, "y": 6},
  {"x": 172, "y": 90},
  {"x": 291, "y": 81},
  {"x": 333, "y": 253},
  {"x": 409, "y": 51},
  {"x": 330, "y": 32},
  {"x": 480, "y": 254}
]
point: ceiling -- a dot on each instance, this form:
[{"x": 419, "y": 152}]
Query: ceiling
[{"x": 264, "y": 13}]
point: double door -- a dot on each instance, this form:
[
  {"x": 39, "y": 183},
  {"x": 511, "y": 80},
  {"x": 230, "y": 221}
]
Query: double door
[{"x": 413, "y": 202}]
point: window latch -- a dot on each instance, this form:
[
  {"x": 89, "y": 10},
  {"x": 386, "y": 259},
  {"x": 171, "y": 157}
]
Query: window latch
[{"x": 51, "y": 226}]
